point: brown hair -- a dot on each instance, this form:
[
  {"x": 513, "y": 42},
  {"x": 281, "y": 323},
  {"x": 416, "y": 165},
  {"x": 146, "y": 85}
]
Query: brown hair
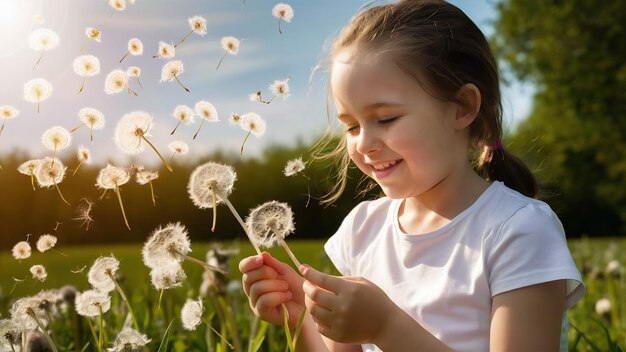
[{"x": 443, "y": 49}]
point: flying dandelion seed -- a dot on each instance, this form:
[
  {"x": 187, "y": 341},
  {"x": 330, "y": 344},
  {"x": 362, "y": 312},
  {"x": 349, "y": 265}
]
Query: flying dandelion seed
[
  {"x": 170, "y": 244},
  {"x": 253, "y": 124},
  {"x": 207, "y": 112},
  {"x": 117, "y": 5},
  {"x": 171, "y": 70},
  {"x": 198, "y": 25},
  {"x": 92, "y": 118},
  {"x": 28, "y": 168},
  {"x": 134, "y": 71},
  {"x": 270, "y": 223},
  {"x": 112, "y": 177},
  {"x": 21, "y": 250},
  {"x": 86, "y": 66},
  {"x": 116, "y": 81},
  {"x": 56, "y": 138},
  {"x": 166, "y": 51},
  {"x": 231, "y": 46},
  {"x": 178, "y": 147},
  {"x": 37, "y": 90},
  {"x": 50, "y": 172},
  {"x": 256, "y": 96},
  {"x": 134, "y": 168},
  {"x": 46, "y": 242},
  {"x": 92, "y": 34},
  {"x": 43, "y": 39},
  {"x": 79, "y": 271},
  {"x": 7, "y": 112},
  {"x": 234, "y": 119},
  {"x": 283, "y": 12},
  {"x": 84, "y": 214},
  {"x": 182, "y": 113},
  {"x": 135, "y": 48},
  {"x": 191, "y": 314},
  {"x": 146, "y": 177},
  {"x": 39, "y": 272},
  {"x": 294, "y": 167},
  {"x": 280, "y": 89},
  {"x": 84, "y": 157},
  {"x": 131, "y": 130},
  {"x": 129, "y": 340}
]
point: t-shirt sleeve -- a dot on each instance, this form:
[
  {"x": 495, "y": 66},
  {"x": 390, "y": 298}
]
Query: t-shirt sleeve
[
  {"x": 338, "y": 245},
  {"x": 530, "y": 249}
]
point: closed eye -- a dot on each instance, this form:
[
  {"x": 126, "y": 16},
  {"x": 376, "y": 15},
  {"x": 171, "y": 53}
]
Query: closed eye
[{"x": 389, "y": 120}]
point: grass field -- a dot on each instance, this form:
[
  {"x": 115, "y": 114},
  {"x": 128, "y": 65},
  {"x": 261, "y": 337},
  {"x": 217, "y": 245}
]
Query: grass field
[{"x": 230, "y": 314}]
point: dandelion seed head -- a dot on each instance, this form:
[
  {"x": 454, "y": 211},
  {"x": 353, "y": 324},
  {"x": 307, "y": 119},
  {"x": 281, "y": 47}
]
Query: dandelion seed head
[
  {"x": 252, "y": 122},
  {"x": 50, "y": 172},
  {"x": 21, "y": 250},
  {"x": 23, "y": 312},
  {"x": 167, "y": 276},
  {"x": 269, "y": 222},
  {"x": 603, "y": 306},
  {"x": 115, "y": 82},
  {"x": 10, "y": 334},
  {"x": 230, "y": 44},
  {"x": 134, "y": 168},
  {"x": 92, "y": 118},
  {"x": 208, "y": 177},
  {"x": 198, "y": 24},
  {"x": 130, "y": 131},
  {"x": 111, "y": 177},
  {"x": 191, "y": 314},
  {"x": 614, "y": 268},
  {"x": 234, "y": 119},
  {"x": 56, "y": 138},
  {"x": 43, "y": 39},
  {"x": 29, "y": 167},
  {"x": 133, "y": 71},
  {"x": 84, "y": 155},
  {"x": 47, "y": 301},
  {"x": 100, "y": 273},
  {"x": 283, "y": 11},
  {"x": 280, "y": 88},
  {"x": 46, "y": 242},
  {"x": 39, "y": 272},
  {"x": 118, "y": 5},
  {"x": 294, "y": 167},
  {"x": 8, "y": 112},
  {"x": 166, "y": 245},
  {"x": 206, "y": 111},
  {"x": 255, "y": 96},
  {"x": 178, "y": 147},
  {"x": 88, "y": 303},
  {"x": 144, "y": 177},
  {"x": 129, "y": 340},
  {"x": 171, "y": 70},
  {"x": 166, "y": 50},
  {"x": 135, "y": 46},
  {"x": 37, "y": 90},
  {"x": 86, "y": 65},
  {"x": 183, "y": 113},
  {"x": 93, "y": 33}
]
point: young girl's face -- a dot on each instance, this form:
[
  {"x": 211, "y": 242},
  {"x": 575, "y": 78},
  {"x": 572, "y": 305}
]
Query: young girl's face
[{"x": 397, "y": 133}]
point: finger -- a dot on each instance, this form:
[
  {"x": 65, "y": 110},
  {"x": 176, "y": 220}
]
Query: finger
[
  {"x": 262, "y": 287},
  {"x": 325, "y": 281},
  {"x": 270, "y": 301},
  {"x": 280, "y": 267},
  {"x": 250, "y": 263},
  {"x": 318, "y": 295},
  {"x": 262, "y": 273},
  {"x": 320, "y": 314}
]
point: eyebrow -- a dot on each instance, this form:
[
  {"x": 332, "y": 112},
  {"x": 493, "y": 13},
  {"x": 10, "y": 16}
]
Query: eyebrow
[{"x": 371, "y": 107}]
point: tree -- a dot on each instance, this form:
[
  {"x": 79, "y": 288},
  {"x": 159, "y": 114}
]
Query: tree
[{"x": 574, "y": 51}]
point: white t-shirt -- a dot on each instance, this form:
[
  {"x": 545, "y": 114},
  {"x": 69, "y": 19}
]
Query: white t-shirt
[{"x": 445, "y": 279}]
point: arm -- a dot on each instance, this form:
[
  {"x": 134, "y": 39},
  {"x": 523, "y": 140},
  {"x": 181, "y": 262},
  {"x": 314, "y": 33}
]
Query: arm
[{"x": 529, "y": 318}]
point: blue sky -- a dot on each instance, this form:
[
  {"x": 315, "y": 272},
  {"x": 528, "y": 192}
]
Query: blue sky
[{"x": 264, "y": 56}]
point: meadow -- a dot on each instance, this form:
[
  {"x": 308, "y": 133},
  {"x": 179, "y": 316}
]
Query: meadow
[{"x": 226, "y": 308}]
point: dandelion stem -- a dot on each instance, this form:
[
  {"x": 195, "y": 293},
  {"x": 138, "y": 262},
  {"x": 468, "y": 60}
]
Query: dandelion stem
[
  {"x": 12, "y": 348},
  {"x": 2, "y": 128},
  {"x": 218, "y": 334},
  {"x": 32, "y": 180},
  {"x": 198, "y": 131},
  {"x": 85, "y": 46},
  {"x": 214, "y": 209},
  {"x": 152, "y": 194},
  {"x": 123, "y": 57},
  {"x": 82, "y": 84},
  {"x": 243, "y": 225},
  {"x": 130, "y": 91},
  {"x": 160, "y": 298},
  {"x": 138, "y": 81},
  {"x": 77, "y": 167},
  {"x": 279, "y": 30},
  {"x": 119, "y": 198},
  {"x": 203, "y": 264},
  {"x": 40, "y": 56},
  {"x": 100, "y": 334},
  {"x": 244, "y": 141},
  {"x": 75, "y": 128},
  {"x": 130, "y": 308},
  {"x": 24, "y": 340},
  {"x": 45, "y": 332},
  {"x": 103, "y": 193},
  {"x": 289, "y": 252},
  {"x": 172, "y": 157},
  {"x": 61, "y": 194},
  {"x": 175, "y": 128},
  {"x": 93, "y": 333},
  {"x": 91, "y": 133},
  {"x": 167, "y": 165},
  {"x": 176, "y": 77},
  {"x": 182, "y": 40},
  {"x": 222, "y": 59}
]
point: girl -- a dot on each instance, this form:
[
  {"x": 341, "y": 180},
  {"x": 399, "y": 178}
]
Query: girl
[{"x": 458, "y": 255}]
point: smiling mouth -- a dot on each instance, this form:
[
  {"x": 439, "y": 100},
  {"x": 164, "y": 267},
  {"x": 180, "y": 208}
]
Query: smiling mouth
[{"x": 384, "y": 166}]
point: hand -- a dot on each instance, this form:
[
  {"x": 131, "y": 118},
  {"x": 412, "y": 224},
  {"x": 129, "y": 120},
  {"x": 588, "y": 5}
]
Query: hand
[
  {"x": 269, "y": 284},
  {"x": 346, "y": 309}
]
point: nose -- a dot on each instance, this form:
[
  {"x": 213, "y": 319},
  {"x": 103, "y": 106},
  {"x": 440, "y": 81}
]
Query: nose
[{"x": 367, "y": 142}]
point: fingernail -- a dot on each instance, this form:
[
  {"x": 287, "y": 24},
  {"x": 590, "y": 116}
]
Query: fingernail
[
  {"x": 303, "y": 268},
  {"x": 258, "y": 259}
]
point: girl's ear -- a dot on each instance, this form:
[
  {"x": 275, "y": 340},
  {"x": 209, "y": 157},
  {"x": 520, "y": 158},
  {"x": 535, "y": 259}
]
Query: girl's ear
[{"x": 468, "y": 105}]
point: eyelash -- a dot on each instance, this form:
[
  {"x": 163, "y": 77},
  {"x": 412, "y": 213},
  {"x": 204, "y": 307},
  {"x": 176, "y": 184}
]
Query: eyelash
[{"x": 383, "y": 122}]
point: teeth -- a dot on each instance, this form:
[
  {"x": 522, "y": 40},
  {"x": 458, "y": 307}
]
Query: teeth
[{"x": 383, "y": 166}]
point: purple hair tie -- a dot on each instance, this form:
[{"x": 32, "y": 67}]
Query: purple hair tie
[{"x": 498, "y": 145}]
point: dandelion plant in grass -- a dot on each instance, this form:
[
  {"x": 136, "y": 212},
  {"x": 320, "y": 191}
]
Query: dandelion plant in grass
[
  {"x": 167, "y": 276},
  {"x": 129, "y": 340},
  {"x": 86, "y": 66},
  {"x": 135, "y": 48},
  {"x": 117, "y": 5},
  {"x": 28, "y": 168},
  {"x": 102, "y": 277},
  {"x": 31, "y": 313},
  {"x": 134, "y": 71},
  {"x": 230, "y": 46},
  {"x": 42, "y": 39},
  {"x": 112, "y": 177},
  {"x": 284, "y": 12},
  {"x": 253, "y": 124},
  {"x": 270, "y": 223},
  {"x": 37, "y": 90},
  {"x": 146, "y": 177},
  {"x": 94, "y": 303},
  {"x": 178, "y": 147},
  {"x": 184, "y": 114},
  {"x": 92, "y": 118},
  {"x": 166, "y": 51},
  {"x": 116, "y": 81},
  {"x": 56, "y": 138},
  {"x": 10, "y": 335},
  {"x": 7, "y": 112},
  {"x": 197, "y": 24},
  {"x": 92, "y": 34},
  {"x": 84, "y": 157},
  {"x": 207, "y": 112},
  {"x": 50, "y": 172},
  {"x": 131, "y": 134},
  {"x": 171, "y": 70}
]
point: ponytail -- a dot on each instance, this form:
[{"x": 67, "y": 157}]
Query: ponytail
[{"x": 497, "y": 164}]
